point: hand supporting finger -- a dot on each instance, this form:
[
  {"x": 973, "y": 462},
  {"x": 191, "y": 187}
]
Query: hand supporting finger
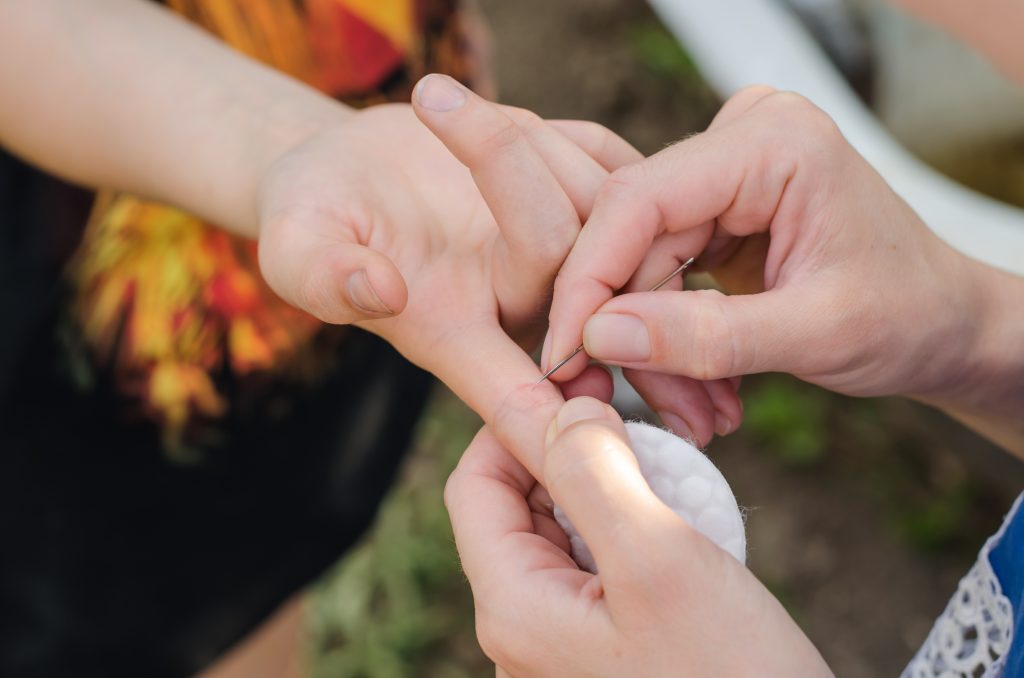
[
  {"x": 593, "y": 476},
  {"x": 516, "y": 573},
  {"x": 486, "y": 500},
  {"x": 538, "y": 222}
]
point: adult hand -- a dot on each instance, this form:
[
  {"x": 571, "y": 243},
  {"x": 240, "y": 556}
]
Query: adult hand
[
  {"x": 844, "y": 285},
  {"x": 667, "y": 601},
  {"x": 448, "y": 253}
]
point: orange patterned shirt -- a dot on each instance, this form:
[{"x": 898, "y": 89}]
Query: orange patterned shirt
[{"x": 169, "y": 307}]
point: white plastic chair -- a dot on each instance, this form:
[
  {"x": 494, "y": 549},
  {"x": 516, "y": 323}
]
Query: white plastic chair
[{"x": 742, "y": 42}]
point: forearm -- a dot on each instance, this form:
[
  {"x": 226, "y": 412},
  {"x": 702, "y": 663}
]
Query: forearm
[
  {"x": 988, "y": 389},
  {"x": 122, "y": 94},
  {"x": 990, "y": 26}
]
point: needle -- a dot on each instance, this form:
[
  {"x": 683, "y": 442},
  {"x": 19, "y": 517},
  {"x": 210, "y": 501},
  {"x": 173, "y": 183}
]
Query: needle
[{"x": 686, "y": 264}]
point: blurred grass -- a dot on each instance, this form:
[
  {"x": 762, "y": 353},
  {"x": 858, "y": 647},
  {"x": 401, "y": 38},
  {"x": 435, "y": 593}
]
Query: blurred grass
[
  {"x": 656, "y": 48},
  {"x": 789, "y": 421},
  {"x": 930, "y": 499},
  {"x": 398, "y": 605}
]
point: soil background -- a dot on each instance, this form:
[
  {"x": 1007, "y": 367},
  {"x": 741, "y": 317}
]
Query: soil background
[
  {"x": 862, "y": 515},
  {"x": 822, "y": 536}
]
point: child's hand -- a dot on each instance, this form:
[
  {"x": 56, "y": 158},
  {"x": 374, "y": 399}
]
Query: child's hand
[
  {"x": 374, "y": 222},
  {"x": 842, "y": 283},
  {"x": 667, "y": 601}
]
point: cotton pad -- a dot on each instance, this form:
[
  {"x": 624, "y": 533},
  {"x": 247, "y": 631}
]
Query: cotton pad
[{"x": 687, "y": 482}]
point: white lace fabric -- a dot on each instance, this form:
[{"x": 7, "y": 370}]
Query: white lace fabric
[{"x": 974, "y": 632}]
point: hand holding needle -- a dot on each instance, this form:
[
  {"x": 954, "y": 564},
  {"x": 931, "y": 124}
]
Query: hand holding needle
[{"x": 685, "y": 265}]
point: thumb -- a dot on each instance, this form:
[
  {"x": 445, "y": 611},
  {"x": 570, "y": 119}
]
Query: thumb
[
  {"x": 706, "y": 335},
  {"x": 337, "y": 282},
  {"x": 593, "y": 476}
]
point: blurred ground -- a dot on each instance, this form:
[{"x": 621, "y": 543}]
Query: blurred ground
[{"x": 863, "y": 514}]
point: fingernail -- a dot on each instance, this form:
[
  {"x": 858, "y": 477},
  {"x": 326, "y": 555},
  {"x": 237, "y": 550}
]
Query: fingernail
[
  {"x": 615, "y": 337},
  {"x": 580, "y": 409},
  {"x": 440, "y": 93},
  {"x": 723, "y": 425},
  {"x": 363, "y": 296}
]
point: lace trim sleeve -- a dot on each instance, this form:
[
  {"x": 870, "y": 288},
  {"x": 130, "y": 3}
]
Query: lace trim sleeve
[{"x": 975, "y": 631}]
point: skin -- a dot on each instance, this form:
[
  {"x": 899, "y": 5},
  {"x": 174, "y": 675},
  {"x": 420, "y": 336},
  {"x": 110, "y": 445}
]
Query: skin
[
  {"x": 439, "y": 226},
  {"x": 365, "y": 218},
  {"x": 989, "y": 26},
  {"x": 844, "y": 286},
  {"x": 838, "y": 282},
  {"x": 666, "y": 602}
]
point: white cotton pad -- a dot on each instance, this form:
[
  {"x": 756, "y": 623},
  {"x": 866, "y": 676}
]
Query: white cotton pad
[{"x": 681, "y": 476}]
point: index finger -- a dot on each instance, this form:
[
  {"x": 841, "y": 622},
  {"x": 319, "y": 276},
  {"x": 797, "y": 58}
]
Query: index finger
[
  {"x": 537, "y": 219},
  {"x": 683, "y": 188},
  {"x": 488, "y": 371}
]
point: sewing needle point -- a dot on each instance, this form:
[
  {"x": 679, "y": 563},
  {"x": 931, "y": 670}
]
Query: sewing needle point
[{"x": 685, "y": 265}]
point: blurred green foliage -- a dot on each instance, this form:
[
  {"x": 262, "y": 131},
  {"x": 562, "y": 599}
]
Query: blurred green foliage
[
  {"x": 788, "y": 419},
  {"x": 929, "y": 499},
  {"x": 399, "y": 605},
  {"x": 936, "y": 522},
  {"x": 660, "y": 52}
]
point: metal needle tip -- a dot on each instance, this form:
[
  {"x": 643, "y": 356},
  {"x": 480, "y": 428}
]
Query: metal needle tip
[
  {"x": 561, "y": 362},
  {"x": 685, "y": 265}
]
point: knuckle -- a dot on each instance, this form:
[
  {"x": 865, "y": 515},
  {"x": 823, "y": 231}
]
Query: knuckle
[
  {"x": 525, "y": 403},
  {"x": 550, "y": 251},
  {"x": 602, "y": 138},
  {"x": 528, "y": 121},
  {"x": 502, "y": 135},
  {"x": 712, "y": 348},
  {"x": 745, "y": 99},
  {"x": 563, "y": 281},
  {"x": 789, "y": 102},
  {"x": 811, "y": 120},
  {"x": 574, "y": 450},
  {"x": 752, "y": 91},
  {"x": 621, "y": 184}
]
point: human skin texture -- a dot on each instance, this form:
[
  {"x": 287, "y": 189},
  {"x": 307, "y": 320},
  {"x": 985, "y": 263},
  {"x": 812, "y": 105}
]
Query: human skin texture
[
  {"x": 362, "y": 217},
  {"x": 843, "y": 285},
  {"x": 667, "y": 602},
  {"x": 684, "y": 480},
  {"x": 990, "y": 26}
]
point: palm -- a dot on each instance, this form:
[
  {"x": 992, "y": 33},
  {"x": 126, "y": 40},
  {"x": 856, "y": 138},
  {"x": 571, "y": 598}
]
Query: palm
[
  {"x": 414, "y": 203},
  {"x": 457, "y": 264}
]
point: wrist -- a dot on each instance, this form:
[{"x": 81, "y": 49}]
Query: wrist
[
  {"x": 274, "y": 132},
  {"x": 993, "y": 362},
  {"x": 985, "y": 383}
]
